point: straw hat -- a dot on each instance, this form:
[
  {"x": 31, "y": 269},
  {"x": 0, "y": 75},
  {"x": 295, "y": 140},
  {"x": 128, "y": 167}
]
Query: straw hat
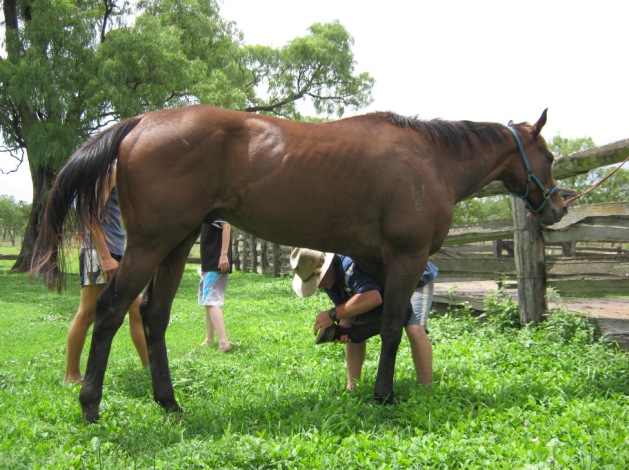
[{"x": 309, "y": 267}]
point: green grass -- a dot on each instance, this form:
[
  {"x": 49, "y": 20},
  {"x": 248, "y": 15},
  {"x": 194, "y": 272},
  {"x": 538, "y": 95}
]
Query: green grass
[{"x": 503, "y": 398}]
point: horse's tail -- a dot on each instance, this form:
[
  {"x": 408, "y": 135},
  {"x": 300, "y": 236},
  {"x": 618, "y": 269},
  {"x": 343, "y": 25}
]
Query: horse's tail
[{"x": 78, "y": 195}]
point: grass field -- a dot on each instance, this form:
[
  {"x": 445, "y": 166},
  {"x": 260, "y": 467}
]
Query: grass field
[{"x": 502, "y": 398}]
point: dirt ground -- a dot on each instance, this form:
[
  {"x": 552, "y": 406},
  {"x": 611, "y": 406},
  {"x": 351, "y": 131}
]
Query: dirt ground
[{"x": 604, "y": 307}]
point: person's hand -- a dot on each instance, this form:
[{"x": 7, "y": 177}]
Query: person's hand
[
  {"x": 323, "y": 320},
  {"x": 343, "y": 339},
  {"x": 109, "y": 266},
  {"x": 223, "y": 264}
]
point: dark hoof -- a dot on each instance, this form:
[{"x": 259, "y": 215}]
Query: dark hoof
[
  {"x": 386, "y": 400},
  {"x": 89, "y": 404},
  {"x": 326, "y": 335},
  {"x": 174, "y": 410},
  {"x": 170, "y": 406},
  {"x": 175, "y": 416},
  {"x": 91, "y": 416}
]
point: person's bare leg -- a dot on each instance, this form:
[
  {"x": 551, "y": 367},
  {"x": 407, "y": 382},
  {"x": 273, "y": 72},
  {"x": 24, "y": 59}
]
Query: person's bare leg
[
  {"x": 209, "y": 328},
  {"x": 421, "y": 350},
  {"x": 77, "y": 333},
  {"x": 136, "y": 329},
  {"x": 354, "y": 358},
  {"x": 216, "y": 315}
]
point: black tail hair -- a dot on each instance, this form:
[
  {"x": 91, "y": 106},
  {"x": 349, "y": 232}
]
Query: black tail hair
[{"x": 76, "y": 199}]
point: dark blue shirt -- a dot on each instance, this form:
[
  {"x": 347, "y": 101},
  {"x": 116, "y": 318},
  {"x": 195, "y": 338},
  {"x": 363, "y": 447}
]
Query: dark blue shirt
[
  {"x": 115, "y": 236},
  {"x": 211, "y": 246},
  {"x": 350, "y": 280}
]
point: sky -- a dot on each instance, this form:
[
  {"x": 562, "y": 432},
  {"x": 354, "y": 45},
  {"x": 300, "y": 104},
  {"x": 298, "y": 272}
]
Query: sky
[{"x": 479, "y": 60}]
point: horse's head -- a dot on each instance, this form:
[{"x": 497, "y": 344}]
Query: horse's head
[{"x": 529, "y": 176}]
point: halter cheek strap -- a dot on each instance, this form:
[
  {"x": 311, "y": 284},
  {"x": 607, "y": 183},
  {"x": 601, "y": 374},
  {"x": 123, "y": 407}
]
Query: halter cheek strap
[{"x": 547, "y": 193}]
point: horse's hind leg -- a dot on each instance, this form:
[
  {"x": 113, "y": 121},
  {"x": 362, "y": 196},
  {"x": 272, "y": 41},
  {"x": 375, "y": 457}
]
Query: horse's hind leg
[
  {"x": 111, "y": 306},
  {"x": 155, "y": 310}
]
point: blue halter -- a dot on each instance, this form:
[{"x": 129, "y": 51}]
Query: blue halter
[{"x": 531, "y": 176}]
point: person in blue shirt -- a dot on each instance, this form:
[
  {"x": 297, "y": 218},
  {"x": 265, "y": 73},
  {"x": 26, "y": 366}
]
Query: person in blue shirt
[{"x": 357, "y": 298}]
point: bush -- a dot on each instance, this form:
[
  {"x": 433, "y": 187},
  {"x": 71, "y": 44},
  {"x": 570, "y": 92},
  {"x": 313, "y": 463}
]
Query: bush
[
  {"x": 563, "y": 326},
  {"x": 502, "y": 310}
]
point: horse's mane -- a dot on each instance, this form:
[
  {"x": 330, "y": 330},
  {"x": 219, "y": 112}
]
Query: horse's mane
[{"x": 451, "y": 133}]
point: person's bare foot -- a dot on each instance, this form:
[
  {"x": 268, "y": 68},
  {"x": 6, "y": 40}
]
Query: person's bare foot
[
  {"x": 224, "y": 347},
  {"x": 72, "y": 379},
  {"x": 207, "y": 342}
]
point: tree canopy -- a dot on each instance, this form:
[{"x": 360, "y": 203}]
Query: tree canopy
[
  {"x": 71, "y": 67},
  {"x": 614, "y": 189}
]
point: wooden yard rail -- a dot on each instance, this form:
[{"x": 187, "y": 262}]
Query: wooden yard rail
[{"x": 589, "y": 269}]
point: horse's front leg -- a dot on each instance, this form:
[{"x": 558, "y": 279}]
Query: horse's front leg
[
  {"x": 155, "y": 309},
  {"x": 110, "y": 313},
  {"x": 403, "y": 274}
]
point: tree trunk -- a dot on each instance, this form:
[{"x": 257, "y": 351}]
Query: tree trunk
[{"x": 42, "y": 182}]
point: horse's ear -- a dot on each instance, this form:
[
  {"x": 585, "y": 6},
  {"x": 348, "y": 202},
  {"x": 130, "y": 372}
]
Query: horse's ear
[
  {"x": 537, "y": 128},
  {"x": 510, "y": 123}
]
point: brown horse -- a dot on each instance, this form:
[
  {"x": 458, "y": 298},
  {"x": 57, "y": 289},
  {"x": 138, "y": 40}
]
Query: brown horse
[{"x": 379, "y": 187}]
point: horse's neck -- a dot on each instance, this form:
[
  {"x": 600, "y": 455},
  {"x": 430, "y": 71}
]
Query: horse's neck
[{"x": 477, "y": 170}]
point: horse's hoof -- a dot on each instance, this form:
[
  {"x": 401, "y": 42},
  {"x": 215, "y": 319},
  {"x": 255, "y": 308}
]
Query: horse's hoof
[
  {"x": 175, "y": 410},
  {"x": 91, "y": 416},
  {"x": 89, "y": 405},
  {"x": 177, "y": 416},
  {"x": 171, "y": 406},
  {"x": 90, "y": 412},
  {"x": 385, "y": 400}
]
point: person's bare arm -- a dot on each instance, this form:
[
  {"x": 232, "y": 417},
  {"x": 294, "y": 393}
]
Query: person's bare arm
[
  {"x": 356, "y": 305},
  {"x": 223, "y": 262},
  {"x": 108, "y": 263}
]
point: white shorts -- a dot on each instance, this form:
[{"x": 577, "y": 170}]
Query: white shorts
[
  {"x": 90, "y": 269},
  {"x": 421, "y": 301},
  {"x": 212, "y": 288}
]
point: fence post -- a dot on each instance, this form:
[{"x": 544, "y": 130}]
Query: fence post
[
  {"x": 246, "y": 252},
  {"x": 264, "y": 262},
  {"x": 277, "y": 262},
  {"x": 236, "y": 252},
  {"x": 254, "y": 254},
  {"x": 528, "y": 248}
]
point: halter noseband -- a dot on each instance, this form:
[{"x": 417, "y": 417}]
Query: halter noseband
[{"x": 531, "y": 176}]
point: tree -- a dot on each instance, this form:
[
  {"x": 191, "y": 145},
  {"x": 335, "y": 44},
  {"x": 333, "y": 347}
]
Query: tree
[
  {"x": 73, "y": 67},
  {"x": 563, "y": 146},
  {"x": 614, "y": 189},
  {"x": 487, "y": 208},
  {"x": 13, "y": 217}
]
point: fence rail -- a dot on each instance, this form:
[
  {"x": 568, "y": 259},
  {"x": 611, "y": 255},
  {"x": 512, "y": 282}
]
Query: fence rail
[{"x": 580, "y": 267}]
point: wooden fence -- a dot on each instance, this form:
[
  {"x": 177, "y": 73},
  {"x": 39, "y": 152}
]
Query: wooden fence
[{"x": 584, "y": 253}]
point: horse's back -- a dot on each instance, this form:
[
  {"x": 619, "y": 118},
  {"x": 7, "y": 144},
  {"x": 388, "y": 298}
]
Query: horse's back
[{"x": 286, "y": 181}]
